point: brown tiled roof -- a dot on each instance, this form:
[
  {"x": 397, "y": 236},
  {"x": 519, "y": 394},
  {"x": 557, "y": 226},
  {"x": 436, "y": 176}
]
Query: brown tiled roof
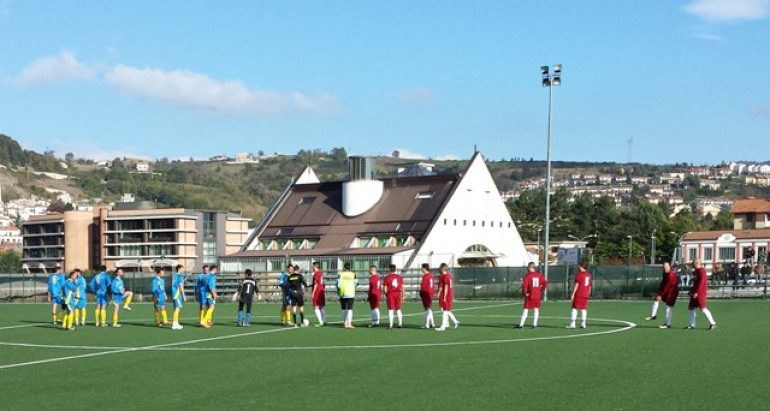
[
  {"x": 762, "y": 233},
  {"x": 751, "y": 205},
  {"x": 315, "y": 211}
]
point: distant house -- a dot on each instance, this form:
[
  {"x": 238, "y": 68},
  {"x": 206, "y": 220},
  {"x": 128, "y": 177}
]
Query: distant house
[
  {"x": 751, "y": 213},
  {"x": 458, "y": 219},
  {"x": 143, "y": 167}
]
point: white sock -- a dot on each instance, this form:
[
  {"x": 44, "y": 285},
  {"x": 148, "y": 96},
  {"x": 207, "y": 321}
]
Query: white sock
[
  {"x": 390, "y": 318},
  {"x": 572, "y": 317},
  {"x": 535, "y": 316},
  {"x": 669, "y": 311},
  {"x": 345, "y": 317},
  {"x": 583, "y": 316},
  {"x": 400, "y": 317},
  {"x": 692, "y": 318},
  {"x": 523, "y": 317},
  {"x": 654, "y": 309},
  {"x": 452, "y": 316},
  {"x": 444, "y": 319},
  {"x": 709, "y": 316},
  {"x": 374, "y": 316},
  {"x": 318, "y": 315},
  {"x": 323, "y": 315},
  {"x": 428, "y": 317},
  {"x": 349, "y": 320}
]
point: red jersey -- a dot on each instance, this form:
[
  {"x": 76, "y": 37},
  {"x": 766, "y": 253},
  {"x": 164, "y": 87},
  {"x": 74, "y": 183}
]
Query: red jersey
[
  {"x": 319, "y": 284},
  {"x": 375, "y": 286},
  {"x": 668, "y": 285},
  {"x": 584, "y": 282},
  {"x": 700, "y": 283},
  {"x": 394, "y": 283},
  {"x": 533, "y": 285},
  {"x": 426, "y": 285},
  {"x": 445, "y": 284}
]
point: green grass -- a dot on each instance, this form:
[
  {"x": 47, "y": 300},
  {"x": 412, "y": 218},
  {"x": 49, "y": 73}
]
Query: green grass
[{"x": 485, "y": 364}]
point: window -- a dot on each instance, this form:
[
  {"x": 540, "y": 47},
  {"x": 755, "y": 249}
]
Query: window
[
  {"x": 708, "y": 253},
  {"x": 209, "y": 226},
  {"x": 693, "y": 253},
  {"x": 130, "y": 250},
  {"x": 285, "y": 231},
  {"x": 209, "y": 252},
  {"x": 424, "y": 195},
  {"x": 726, "y": 253}
]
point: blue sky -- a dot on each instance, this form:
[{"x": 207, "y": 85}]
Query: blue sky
[{"x": 685, "y": 80}]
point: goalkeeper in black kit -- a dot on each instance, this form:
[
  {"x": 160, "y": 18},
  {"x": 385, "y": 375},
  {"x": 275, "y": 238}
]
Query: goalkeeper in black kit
[
  {"x": 246, "y": 290},
  {"x": 296, "y": 283}
]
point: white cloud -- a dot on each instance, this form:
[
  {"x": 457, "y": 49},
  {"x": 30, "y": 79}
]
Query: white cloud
[
  {"x": 60, "y": 68},
  {"x": 416, "y": 95},
  {"x": 759, "y": 111},
  {"x": 704, "y": 34},
  {"x": 719, "y": 11},
  {"x": 410, "y": 155},
  {"x": 447, "y": 157},
  {"x": 189, "y": 89}
]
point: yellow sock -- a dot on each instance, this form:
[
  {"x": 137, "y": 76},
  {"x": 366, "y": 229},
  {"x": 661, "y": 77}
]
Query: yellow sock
[
  {"x": 77, "y": 315},
  {"x": 115, "y": 317},
  {"x": 164, "y": 316},
  {"x": 202, "y": 315},
  {"x": 55, "y": 318},
  {"x": 97, "y": 315},
  {"x": 175, "y": 317},
  {"x": 157, "y": 317},
  {"x": 83, "y": 316},
  {"x": 209, "y": 314},
  {"x": 64, "y": 321},
  {"x": 104, "y": 315},
  {"x": 128, "y": 300},
  {"x": 71, "y": 318}
]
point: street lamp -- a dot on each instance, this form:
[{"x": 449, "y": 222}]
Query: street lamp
[
  {"x": 539, "y": 260},
  {"x": 549, "y": 80},
  {"x": 583, "y": 240},
  {"x": 652, "y": 248},
  {"x": 630, "y": 244}
]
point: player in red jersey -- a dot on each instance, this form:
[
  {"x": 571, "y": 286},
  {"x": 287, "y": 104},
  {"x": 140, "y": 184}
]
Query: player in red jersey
[
  {"x": 581, "y": 293},
  {"x": 394, "y": 291},
  {"x": 667, "y": 292},
  {"x": 445, "y": 296},
  {"x": 374, "y": 296},
  {"x": 319, "y": 294},
  {"x": 698, "y": 295},
  {"x": 533, "y": 287},
  {"x": 426, "y": 295}
]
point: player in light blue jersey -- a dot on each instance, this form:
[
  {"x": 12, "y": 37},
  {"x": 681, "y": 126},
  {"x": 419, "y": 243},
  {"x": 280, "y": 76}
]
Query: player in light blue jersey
[
  {"x": 70, "y": 299},
  {"x": 201, "y": 291},
  {"x": 80, "y": 304},
  {"x": 159, "y": 297},
  {"x": 55, "y": 288},
  {"x": 211, "y": 297},
  {"x": 119, "y": 295},
  {"x": 100, "y": 286},
  {"x": 177, "y": 295}
]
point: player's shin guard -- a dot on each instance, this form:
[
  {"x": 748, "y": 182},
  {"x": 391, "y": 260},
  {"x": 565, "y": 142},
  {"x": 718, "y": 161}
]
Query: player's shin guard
[
  {"x": 524, "y": 315},
  {"x": 175, "y": 317},
  {"x": 390, "y": 318},
  {"x": 97, "y": 315},
  {"x": 55, "y": 318},
  {"x": 164, "y": 316},
  {"x": 708, "y": 315},
  {"x": 156, "y": 314},
  {"x": 535, "y": 316},
  {"x": 429, "y": 318},
  {"x": 444, "y": 319},
  {"x": 104, "y": 315},
  {"x": 400, "y": 317},
  {"x": 349, "y": 319},
  {"x": 583, "y": 317},
  {"x": 209, "y": 314},
  {"x": 239, "y": 318},
  {"x": 692, "y": 318},
  {"x": 344, "y": 317},
  {"x": 654, "y": 312},
  {"x": 318, "y": 316},
  {"x": 64, "y": 321},
  {"x": 669, "y": 313},
  {"x": 572, "y": 317},
  {"x": 83, "y": 316},
  {"x": 128, "y": 300},
  {"x": 77, "y": 315},
  {"x": 70, "y": 319}
]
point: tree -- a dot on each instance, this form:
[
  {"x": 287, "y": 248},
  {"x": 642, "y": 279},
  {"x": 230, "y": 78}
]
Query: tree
[
  {"x": 339, "y": 154},
  {"x": 10, "y": 262},
  {"x": 69, "y": 158}
]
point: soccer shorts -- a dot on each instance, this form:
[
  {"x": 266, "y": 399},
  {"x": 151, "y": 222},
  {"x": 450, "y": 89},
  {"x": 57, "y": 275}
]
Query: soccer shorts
[
  {"x": 178, "y": 303},
  {"x": 160, "y": 301},
  {"x": 579, "y": 303},
  {"x": 246, "y": 299},
  {"x": 202, "y": 297},
  {"x": 446, "y": 304},
  {"x": 319, "y": 300},
  {"x": 374, "y": 301},
  {"x": 68, "y": 307},
  {"x": 530, "y": 303},
  {"x": 80, "y": 303},
  {"x": 346, "y": 303},
  {"x": 427, "y": 299},
  {"x": 117, "y": 298},
  {"x": 669, "y": 299},
  {"x": 101, "y": 299},
  {"x": 56, "y": 299},
  {"x": 210, "y": 301},
  {"x": 699, "y": 302},
  {"x": 394, "y": 301},
  {"x": 297, "y": 299},
  {"x": 286, "y": 299}
]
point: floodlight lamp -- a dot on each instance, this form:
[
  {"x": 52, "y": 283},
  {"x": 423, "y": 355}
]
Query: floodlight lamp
[
  {"x": 544, "y": 70},
  {"x": 556, "y": 81},
  {"x": 546, "y": 82},
  {"x": 557, "y": 68}
]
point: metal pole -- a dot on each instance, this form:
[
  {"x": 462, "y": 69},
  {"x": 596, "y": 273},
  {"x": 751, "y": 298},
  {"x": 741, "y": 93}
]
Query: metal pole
[
  {"x": 546, "y": 241},
  {"x": 652, "y": 252}
]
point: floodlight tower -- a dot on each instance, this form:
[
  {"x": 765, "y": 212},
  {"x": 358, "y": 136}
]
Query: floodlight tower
[{"x": 549, "y": 80}]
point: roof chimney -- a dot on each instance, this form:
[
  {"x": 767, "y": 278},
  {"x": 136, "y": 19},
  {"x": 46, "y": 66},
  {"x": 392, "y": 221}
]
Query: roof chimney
[{"x": 361, "y": 192}]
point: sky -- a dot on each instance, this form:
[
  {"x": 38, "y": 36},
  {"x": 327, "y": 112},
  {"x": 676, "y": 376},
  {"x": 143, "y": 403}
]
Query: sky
[{"x": 656, "y": 81}]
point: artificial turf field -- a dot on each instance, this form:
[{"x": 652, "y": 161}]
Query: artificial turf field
[{"x": 620, "y": 362}]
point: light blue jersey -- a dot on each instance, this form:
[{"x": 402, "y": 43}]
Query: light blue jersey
[
  {"x": 201, "y": 289},
  {"x": 177, "y": 284},
  {"x": 82, "y": 297},
  {"x": 56, "y": 287},
  {"x": 117, "y": 290},
  {"x": 70, "y": 294},
  {"x": 159, "y": 291},
  {"x": 100, "y": 285},
  {"x": 211, "y": 286}
]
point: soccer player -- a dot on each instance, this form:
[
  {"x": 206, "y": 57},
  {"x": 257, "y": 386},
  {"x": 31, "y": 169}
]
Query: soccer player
[
  {"x": 100, "y": 285},
  {"x": 159, "y": 297},
  {"x": 70, "y": 299},
  {"x": 445, "y": 296},
  {"x": 211, "y": 297},
  {"x": 581, "y": 293},
  {"x": 427, "y": 289},
  {"x": 374, "y": 295},
  {"x": 177, "y": 296},
  {"x": 667, "y": 292},
  {"x": 55, "y": 287},
  {"x": 698, "y": 295},
  {"x": 533, "y": 287},
  {"x": 246, "y": 290},
  {"x": 119, "y": 295},
  {"x": 346, "y": 289},
  {"x": 297, "y": 284},
  {"x": 394, "y": 292},
  {"x": 82, "y": 298},
  {"x": 283, "y": 284},
  {"x": 318, "y": 294},
  {"x": 201, "y": 292}
]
